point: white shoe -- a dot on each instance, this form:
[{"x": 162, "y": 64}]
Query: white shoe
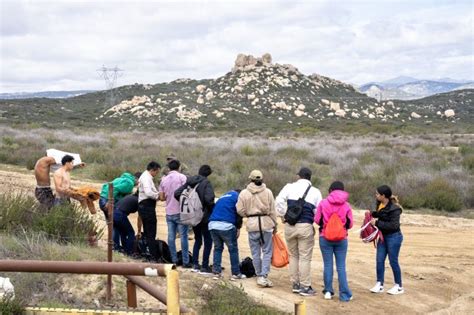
[
  {"x": 327, "y": 295},
  {"x": 378, "y": 288},
  {"x": 396, "y": 290}
]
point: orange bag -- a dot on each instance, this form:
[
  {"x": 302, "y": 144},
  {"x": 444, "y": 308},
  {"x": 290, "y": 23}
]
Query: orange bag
[
  {"x": 334, "y": 230},
  {"x": 280, "y": 252}
]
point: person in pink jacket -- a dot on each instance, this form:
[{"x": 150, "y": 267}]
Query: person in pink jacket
[{"x": 336, "y": 202}]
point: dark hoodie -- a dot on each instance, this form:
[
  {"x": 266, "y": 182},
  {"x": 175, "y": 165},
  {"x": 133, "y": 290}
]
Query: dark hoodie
[
  {"x": 205, "y": 192},
  {"x": 388, "y": 218}
]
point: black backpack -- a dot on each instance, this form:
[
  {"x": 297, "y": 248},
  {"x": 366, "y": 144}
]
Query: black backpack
[
  {"x": 162, "y": 254},
  {"x": 247, "y": 268},
  {"x": 179, "y": 256},
  {"x": 295, "y": 211}
]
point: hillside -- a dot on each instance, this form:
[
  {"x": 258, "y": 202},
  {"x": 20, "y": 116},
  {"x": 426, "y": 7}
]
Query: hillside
[{"x": 256, "y": 93}]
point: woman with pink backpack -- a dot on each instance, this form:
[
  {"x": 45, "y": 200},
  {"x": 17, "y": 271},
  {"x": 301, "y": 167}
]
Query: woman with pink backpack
[
  {"x": 334, "y": 217},
  {"x": 386, "y": 218}
]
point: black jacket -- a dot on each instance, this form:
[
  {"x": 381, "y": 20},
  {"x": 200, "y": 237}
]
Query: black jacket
[
  {"x": 205, "y": 192},
  {"x": 388, "y": 218}
]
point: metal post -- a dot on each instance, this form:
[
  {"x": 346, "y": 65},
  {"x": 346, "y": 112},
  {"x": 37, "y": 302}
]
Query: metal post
[
  {"x": 86, "y": 267},
  {"x": 154, "y": 291},
  {"x": 131, "y": 294},
  {"x": 110, "y": 242},
  {"x": 172, "y": 294},
  {"x": 300, "y": 308}
]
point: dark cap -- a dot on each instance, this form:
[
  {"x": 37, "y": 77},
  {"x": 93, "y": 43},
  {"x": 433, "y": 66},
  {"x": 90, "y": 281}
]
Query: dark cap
[{"x": 305, "y": 173}]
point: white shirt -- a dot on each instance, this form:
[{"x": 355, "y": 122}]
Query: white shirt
[
  {"x": 146, "y": 187},
  {"x": 295, "y": 191}
]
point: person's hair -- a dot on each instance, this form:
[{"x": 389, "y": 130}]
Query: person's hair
[
  {"x": 336, "y": 185},
  {"x": 66, "y": 159},
  {"x": 152, "y": 166},
  {"x": 205, "y": 170},
  {"x": 257, "y": 182},
  {"x": 174, "y": 165},
  {"x": 137, "y": 175},
  {"x": 385, "y": 191}
]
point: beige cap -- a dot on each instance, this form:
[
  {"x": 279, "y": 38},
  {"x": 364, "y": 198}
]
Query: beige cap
[{"x": 255, "y": 174}]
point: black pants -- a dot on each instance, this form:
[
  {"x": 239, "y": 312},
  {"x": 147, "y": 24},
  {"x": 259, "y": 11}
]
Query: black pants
[{"x": 147, "y": 212}]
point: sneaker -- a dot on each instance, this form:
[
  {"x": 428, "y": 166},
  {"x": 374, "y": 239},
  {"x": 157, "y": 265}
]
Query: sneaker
[
  {"x": 296, "y": 288},
  {"x": 196, "y": 268},
  {"x": 378, "y": 288},
  {"x": 396, "y": 290},
  {"x": 307, "y": 291},
  {"x": 216, "y": 276},
  {"x": 327, "y": 295},
  {"x": 238, "y": 277},
  {"x": 187, "y": 266},
  {"x": 269, "y": 282},
  {"x": 205, "y": 271},
  {"x": 263, "y": 281}
]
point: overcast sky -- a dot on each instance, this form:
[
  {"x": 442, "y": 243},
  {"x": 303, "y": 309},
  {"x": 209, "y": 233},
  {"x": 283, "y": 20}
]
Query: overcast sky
[{"x": 59, "y": 45}]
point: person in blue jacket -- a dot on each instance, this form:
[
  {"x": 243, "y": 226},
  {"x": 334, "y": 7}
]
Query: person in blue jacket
[{"x": 224, "y": 225}]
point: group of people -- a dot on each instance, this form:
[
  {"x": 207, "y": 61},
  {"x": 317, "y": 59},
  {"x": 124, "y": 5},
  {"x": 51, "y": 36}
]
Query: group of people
[{"x": 223, "y": 219}]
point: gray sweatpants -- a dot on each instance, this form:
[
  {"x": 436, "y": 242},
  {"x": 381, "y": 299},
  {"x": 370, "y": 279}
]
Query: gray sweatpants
[{"x": 261, "y": 262}]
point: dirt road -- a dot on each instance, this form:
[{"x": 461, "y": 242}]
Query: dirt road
[{"x": 437, "y": 261}]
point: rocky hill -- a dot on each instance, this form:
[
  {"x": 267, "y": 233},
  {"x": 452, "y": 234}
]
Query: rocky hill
[{"x": 256, "y": 93}]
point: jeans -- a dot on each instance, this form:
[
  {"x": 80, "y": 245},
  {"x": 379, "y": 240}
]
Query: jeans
[
  {"x": 174, "y": 224},
  {"x": 390, "y": 246},
  {"x": 201, "y": 231},
  {"x": 229, "y": 238},
  {"x": 125, "y": 231},
  {"x": 261, "y": 262},
  {"x": 147, "y": 213},
  {"x": 115, "y": 233},
  {"x": 338, "y": 250}
]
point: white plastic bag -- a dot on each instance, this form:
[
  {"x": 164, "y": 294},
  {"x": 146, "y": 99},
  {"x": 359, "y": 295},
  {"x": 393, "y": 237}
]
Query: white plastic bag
[{"x": 6, "y": 288}]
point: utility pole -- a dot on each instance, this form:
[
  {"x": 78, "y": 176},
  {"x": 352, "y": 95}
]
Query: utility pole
[{"x": 110, "y": 76}]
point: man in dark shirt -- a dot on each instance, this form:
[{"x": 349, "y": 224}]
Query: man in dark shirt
[{"x": 126, "y": 205}]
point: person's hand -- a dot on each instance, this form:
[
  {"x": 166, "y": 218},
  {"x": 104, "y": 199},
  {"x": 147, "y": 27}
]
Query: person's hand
[
  {"x": 82, "y": 164},
  {"x": 238, "y": 233},
  {"x": 373, "y": 221}
]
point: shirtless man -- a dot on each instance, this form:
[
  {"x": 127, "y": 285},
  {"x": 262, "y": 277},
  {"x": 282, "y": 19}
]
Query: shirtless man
[
  {"x": 43, "y": 191},
  {"x": 62, "y": 180}
]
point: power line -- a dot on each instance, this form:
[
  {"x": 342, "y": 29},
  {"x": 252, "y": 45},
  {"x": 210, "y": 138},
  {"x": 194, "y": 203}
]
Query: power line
[{"x": 110, "y": 76}]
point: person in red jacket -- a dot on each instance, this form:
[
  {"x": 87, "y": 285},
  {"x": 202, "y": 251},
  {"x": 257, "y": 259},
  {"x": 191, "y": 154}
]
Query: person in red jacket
[{"x": 335, "y": 204}]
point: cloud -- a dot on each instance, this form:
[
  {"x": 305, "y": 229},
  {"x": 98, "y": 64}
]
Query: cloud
[{"x": 60, "y": 44}]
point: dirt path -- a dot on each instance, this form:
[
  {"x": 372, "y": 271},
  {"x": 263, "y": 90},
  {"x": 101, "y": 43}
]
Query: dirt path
[{"x": 437, "y": 261}]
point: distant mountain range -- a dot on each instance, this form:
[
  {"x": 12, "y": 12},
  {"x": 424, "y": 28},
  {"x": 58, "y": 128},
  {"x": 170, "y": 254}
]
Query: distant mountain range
[
  {"x": 408, "y": 88},
  {"x": 45, "y": 94}
]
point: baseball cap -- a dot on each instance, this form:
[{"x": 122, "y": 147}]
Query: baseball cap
[{"x": 255, "y": 174}]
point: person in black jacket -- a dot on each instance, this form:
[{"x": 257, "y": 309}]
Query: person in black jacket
[
  {"x": 386, "y": 217},
  {"x": 201, "y": 231}
]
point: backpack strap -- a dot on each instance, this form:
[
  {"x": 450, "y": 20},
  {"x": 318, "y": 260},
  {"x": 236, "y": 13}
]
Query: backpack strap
[
  {"x": 306, "y": 192},
  {"x": 262, "y": 241}
]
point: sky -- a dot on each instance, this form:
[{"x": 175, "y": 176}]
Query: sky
[{"x": 59, "y": 45}]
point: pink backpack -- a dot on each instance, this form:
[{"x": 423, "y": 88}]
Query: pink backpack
[{"x": 368, "y": 232}]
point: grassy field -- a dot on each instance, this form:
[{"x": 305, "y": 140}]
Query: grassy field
[{"x": 432, "y": 171}]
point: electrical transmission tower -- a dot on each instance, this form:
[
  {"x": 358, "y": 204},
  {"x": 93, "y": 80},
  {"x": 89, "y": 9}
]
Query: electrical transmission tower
[{"x": 110, "y": 76}]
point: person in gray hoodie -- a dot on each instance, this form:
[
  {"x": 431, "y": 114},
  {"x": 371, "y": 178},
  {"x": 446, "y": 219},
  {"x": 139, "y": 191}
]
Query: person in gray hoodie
[{"x": 256, "y": 202}]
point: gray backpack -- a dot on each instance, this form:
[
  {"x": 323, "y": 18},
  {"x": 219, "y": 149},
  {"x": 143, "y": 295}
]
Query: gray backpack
[{"x": 190, "y": 207}]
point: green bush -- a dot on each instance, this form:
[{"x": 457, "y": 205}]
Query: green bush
[
  {"x": 19, "y": 213},
  {"x": 468, "y": 162},
  {"x": 11, "y": 306},
  {"x": 224, "y": 298},
  {"x": 441, "y": 195}
]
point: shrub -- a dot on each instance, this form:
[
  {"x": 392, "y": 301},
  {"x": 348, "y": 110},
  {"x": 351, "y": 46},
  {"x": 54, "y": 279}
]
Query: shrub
[
  {"x": 66, "y": 223},
  {"x": 223, "y": 298},
  {"x": 11, "y": 306},
  {"x": 441, "y": 195}
]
